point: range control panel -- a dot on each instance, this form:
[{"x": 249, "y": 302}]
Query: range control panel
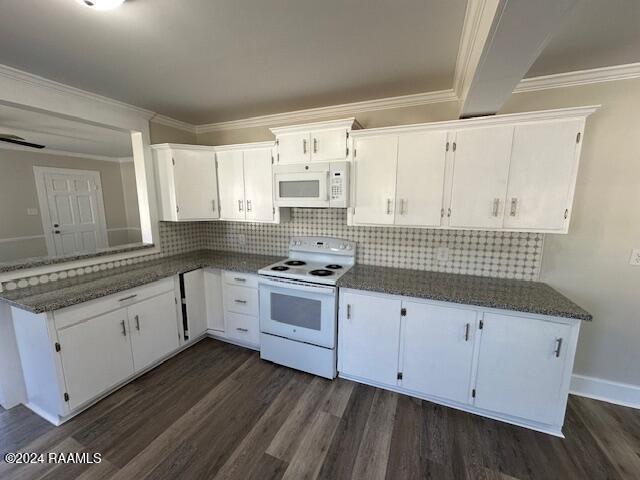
[{"x": 323, "y": 244}]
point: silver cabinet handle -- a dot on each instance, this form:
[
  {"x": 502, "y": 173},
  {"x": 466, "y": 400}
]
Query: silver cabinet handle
[
  {"x": 128, "y": 298},
  {"x": 558, "y": 347},
  {"x": 403, "y": 206},
  {"x": 514, "y": 207},
  {"x": 124, "y": 328},
  {"x": 388, "y": 206},
  {"x": 137, "y": 319},
  {"x": 466, "y": 332},
  {"x": 315, "y": 145},
  {"x": 348, "y": 311},
  {"x": 239, "y": 205},
  {"x": 242, "y": 329},
  {"x": 304, "y": 145},
  {"x": 240, "y": 279},
  {"x": 242, "y": 302},
  {"x": 248, "y": 205},
  {"x": 449, "y": 213},
  {"x": 496, "y": 207}
]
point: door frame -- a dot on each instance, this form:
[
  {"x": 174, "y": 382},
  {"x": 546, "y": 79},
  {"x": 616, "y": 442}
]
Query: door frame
[{"x": 43, "y": 200}]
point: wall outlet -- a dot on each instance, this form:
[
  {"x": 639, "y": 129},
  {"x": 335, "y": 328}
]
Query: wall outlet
[
  {"x": 242, "y": 240},
  {"x": 635, "y": 257},
  {"x": 442, "y": 254}
]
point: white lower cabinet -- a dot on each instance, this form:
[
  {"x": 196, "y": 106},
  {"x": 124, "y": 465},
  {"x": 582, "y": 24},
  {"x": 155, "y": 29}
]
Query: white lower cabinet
[
  {"x": 509, "y": 366},
  {"x": 96, "y": 355}
]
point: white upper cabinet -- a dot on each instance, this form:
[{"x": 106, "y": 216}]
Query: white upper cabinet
[
  {"x": 480, "y": 174},
  {"x": 420, "y": 178},
  {"x": 187, "y": 183},
  {"x": 231, "y": 179},
  {"x": 544, "y": 164},
  {"x": 321, "y": 141},
  {"x": 375, "y": 179},
  {"x": 258, "y": 185}
]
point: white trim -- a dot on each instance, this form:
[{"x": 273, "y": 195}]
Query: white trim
[
  {"x": 20, "y": 239},
  {"x": 599, "y": 389},
  {"x": 37, "y": 81},
  {"x": 181, "y": 146},
  {"x": 579, "y": 77},
  {"x": 172, "y": 122},
  {"x": 311, "y": 114},
  {"x": 45, "y": 151},
  {"x": 122, "y": 229}
]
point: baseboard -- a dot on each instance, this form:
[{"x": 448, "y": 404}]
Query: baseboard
[{"x": 613, "y": 392}]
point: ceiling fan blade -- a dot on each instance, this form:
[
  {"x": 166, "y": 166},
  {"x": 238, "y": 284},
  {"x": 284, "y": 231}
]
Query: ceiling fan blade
[{"x": 21, "y": 142}]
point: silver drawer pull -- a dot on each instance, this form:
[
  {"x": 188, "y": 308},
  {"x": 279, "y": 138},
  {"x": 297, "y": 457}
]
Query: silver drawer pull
[
  {"x": 137, "y": 319},
  {"x": 514, "y": 207},
  {"x": 239, "y": 279},
  {"x": 128, "y": 298},
  {"x": 243, "y": 302},
  {"x": 466, "y": 332},
  {"x": 242, "y": 329},
  {"x": 496, "y": 207},
  {"x": 558, "y": 347},
  {"x": 124, "y": 328},
  {"x": 348, "y": 311}
]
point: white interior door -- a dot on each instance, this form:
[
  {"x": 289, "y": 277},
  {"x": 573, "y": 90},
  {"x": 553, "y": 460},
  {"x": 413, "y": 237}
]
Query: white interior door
[
  {"x": 96, "y": 354},
  {"x": 327, "y": 145},
  {"x": 294, "y": 148},
  {"x": 231, "y": 184},
  {"x": 153, "y": 324},
  {"x": 258, "y": 185},
  {"x": 521, "y": 367},
  {"x": 369, "y": 332},
  {"x": 72, "y": 210},
  {"x": 542, "y": 174},
  {"x": 196, "y": 184},
  {"x": 375, "y": 179},
  {"x": 438, "y": 350},
  {"x": 480, "y": 174},
  {"x": 420, "y": 178}
]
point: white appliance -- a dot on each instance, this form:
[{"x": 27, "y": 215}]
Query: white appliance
[
  {"x": 319, "y": 184},
  {"x": 299, "y": 304}
]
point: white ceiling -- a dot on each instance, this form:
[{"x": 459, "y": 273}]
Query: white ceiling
[
  {"x": 213, "y": 60},
  {"x": 64, "y": 135}
]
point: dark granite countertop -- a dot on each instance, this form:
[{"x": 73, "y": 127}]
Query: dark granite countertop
[
  {"x": 516, "y": 295},
  {"x": 64, "y": 293}
]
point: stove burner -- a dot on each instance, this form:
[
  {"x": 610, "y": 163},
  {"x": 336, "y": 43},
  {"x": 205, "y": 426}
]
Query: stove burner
[
  {"x": 333, "y": 266},
  {"x": 295, "y": 263},
  {"x": 321, "y": 272},
  {"x": 279, "y": 268}
]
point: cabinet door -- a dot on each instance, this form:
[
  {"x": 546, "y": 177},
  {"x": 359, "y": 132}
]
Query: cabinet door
[
  {"x": 375, "y": 182},
  {"x": 328, "y": 145},
  {"x": 369, "y": 332},
  {"x": 196, "y": 185},
  {"x": 438, "y": 350},
  {"x": 195, "y": 303},
  {"x": 480, "y": 173},
  {"x": 231, "y": 185},
  {"x": 294, "y": 148},
  {"x": 521, "y": 367},
  {"x": 213, "y": 300},
  {"x": 420, "y": 178},
  {"x": 258, "y": 185},
  {"x": 96, "y": 355},
  {"x": 244, "y": 328},
  {"x": 153, "y": 324},
  {"x": 542, "y": 174}
]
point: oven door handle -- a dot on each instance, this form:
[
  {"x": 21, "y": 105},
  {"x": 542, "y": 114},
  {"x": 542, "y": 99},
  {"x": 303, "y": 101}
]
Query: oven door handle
[{"x": 297, "y": 286}]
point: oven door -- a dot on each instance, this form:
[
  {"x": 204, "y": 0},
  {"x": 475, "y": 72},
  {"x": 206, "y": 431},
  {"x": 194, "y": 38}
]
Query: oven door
[
  {"x": 302, "y": 189},
  {"x": 306, "y": 313}
]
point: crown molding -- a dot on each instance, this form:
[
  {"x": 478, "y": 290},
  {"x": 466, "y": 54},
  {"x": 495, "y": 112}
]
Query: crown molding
[
  {"x": 468, "y": 44},
  {"x": 172, "y": 122},
  {"x": 47, "y": 151},
  {"x": 346, "y": 109},
  {"x": 579, "y": 77},
  {"x": 41, "y": 82}
]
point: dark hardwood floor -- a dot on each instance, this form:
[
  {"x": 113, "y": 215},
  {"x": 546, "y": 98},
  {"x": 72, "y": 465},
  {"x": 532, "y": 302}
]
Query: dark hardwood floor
[{"x": 218, "y": 411}]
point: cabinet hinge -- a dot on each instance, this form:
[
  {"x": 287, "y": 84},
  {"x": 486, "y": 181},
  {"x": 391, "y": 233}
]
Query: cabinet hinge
[
  {"x": 453, "y": 147},
  {"x": 58, "y": 348},
  {"x": 173, "y": 161},
  {"x": 277, "y": 141},
  {"x": 473, "y": 393},
  {"x": 481, "y": 324},
  {"x": 175, "y": 300},
  {"x": 66, "y": 397},
  {"x": 578, "y": 136},
  {"x": 566, "y": 213},
  {"x": 274, "y": 210},
  {"x": 177, "y": 209},
  {"x": 399, "y": 375},
  {"x": 354, "y": 153},
  {"x": 347, "y": 134},
  {"x": 278, "y": 158},
  {"x": 447, "y": 147},
  {"x": 271, "y": 159},
  {"x": 403, "y": 312},
  {"x": 347, "y": 151},
  {"x": 442, "y": 213}
]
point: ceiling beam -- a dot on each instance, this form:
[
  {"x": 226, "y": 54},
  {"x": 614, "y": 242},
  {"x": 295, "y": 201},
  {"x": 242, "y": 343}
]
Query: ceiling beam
[{"x": 501, "y": 40}]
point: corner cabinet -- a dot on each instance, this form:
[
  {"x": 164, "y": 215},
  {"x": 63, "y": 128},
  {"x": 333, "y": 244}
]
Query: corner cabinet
[
  {"x": 508, "y": 366},
  {"x": 187, "y": 184},
  {"x": 514, "y": 172},
  {"x": 314, "y": 142}
]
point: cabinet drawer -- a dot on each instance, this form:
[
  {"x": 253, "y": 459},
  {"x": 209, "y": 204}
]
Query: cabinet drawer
[
  {"x": 241, "y": 300},
  {"x": 242, "y": 279},
  {"x": 243, "y": 328},
  {"x": 83, "y": 311}
]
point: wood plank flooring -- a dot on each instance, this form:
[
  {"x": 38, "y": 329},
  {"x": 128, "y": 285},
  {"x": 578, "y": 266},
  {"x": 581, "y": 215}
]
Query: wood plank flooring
[{"x": 218, "y": 411}]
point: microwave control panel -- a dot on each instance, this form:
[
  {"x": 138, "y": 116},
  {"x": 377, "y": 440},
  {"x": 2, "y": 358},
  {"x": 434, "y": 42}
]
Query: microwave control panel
[{"x": 339, "y": 184}]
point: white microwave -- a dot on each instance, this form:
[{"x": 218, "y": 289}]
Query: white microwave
[{"x": 320, "y": 184}]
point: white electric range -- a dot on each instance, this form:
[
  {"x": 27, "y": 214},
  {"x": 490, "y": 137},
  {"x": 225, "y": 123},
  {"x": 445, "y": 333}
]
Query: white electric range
[{"x": 299, "y": 304}]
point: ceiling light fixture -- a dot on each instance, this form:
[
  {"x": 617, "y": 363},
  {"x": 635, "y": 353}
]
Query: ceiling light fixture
[{"x": 101, "y": 4}]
